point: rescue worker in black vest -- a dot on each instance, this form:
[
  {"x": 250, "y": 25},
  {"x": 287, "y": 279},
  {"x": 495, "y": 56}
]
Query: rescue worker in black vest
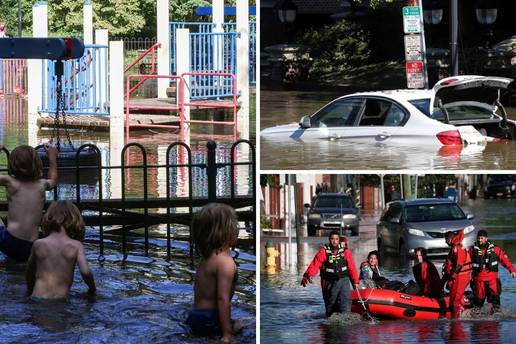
[
  {"x": 486, "y": 257},
  {"x": 337, "y": 269}
]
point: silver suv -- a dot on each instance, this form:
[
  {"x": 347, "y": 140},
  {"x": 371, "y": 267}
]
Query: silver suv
[{"x": 406, "y": 225}]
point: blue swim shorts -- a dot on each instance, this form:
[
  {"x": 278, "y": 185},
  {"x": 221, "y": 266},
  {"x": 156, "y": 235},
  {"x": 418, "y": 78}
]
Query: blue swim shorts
[
  {"x": 14, "y": 248},
  {"x": 204, "y": 322}
]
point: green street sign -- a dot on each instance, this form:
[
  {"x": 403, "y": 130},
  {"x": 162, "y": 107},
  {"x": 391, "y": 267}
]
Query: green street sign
[
  {"x": 411, "y": 11},
  {"x": 411, "y": 19}
]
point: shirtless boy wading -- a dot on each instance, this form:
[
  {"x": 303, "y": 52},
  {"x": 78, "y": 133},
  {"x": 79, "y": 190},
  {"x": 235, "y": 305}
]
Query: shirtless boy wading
[{"x": 25, "y": 198}]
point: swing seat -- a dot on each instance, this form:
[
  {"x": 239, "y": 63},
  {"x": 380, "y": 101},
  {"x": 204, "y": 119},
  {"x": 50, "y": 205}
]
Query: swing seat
[
  {"x": 67, "y": 161},
  {"x": 67, "y": 157}
]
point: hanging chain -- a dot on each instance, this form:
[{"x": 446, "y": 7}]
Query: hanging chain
[
  {"x": 60, "y": 109},
  {"x": 59, "y": 104}
]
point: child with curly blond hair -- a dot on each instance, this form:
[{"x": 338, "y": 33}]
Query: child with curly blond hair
[
  {"x": 52, "y": 261},
  {"x": 215, "y": 230}
]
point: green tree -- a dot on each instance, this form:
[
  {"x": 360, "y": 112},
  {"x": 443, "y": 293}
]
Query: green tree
[
  {"x": 336, "y": 47},
  {"x": 119, "y": 17}
]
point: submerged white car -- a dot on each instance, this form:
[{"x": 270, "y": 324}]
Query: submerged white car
[{"x": 458, "y": 110}]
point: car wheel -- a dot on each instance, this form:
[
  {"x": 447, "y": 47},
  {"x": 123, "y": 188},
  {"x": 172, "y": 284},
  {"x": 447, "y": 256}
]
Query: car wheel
[
  {"x": 354, "y": 231},
  {"x": 311, "y": 230},
  {"x": 486, "y": 196},
  {"x": 379, "y": 244}
]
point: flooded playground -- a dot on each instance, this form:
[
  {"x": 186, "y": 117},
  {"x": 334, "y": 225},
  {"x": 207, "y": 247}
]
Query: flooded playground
[
  {"x": 281, "y": 107},
  {"x": 291, "y": 313},
  {"x": 140, "y": 298}
]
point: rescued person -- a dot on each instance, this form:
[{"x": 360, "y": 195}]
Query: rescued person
[{"x": 426, "y": 275}]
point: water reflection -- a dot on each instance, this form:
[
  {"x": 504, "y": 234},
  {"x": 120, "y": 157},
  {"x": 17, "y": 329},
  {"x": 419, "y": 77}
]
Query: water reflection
[
  {"x": 280, "y": 107},
  {"x": 14, "y": 132}
]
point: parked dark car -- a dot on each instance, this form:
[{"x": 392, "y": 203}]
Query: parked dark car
[
  {"x": 406, "y": 225},
  {"x": 500, "y": 185},
  {"x": 332, "y": 211}
]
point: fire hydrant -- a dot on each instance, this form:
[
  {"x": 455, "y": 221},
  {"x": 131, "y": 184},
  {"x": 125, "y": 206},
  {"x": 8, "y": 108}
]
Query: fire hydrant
[{"x": 271, "y": 254}]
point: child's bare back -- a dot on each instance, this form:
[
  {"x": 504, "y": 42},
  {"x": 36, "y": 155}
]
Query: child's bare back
[
  {"x": 218, "y": 270},
  {"x": 26, "y": 201},
  {"x": 215, "y": 230},
  {"x": 55, "y": 257},
  {"x": 26, "y": 198},
  {"x": 51, "y": 265}
]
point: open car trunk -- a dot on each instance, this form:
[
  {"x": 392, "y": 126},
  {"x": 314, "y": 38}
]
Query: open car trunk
[{"x": 473, "y": 100}]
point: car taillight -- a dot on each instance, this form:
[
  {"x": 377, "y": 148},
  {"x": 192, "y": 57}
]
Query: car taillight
[
  {"x": 449, "y": 137},
  {"x": 448, "y": 81}
]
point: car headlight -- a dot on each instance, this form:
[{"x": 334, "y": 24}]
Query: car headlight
[
  {"x": 314, "y": 216},
  {"x": 349, "y": 216},
  {"x": 469, "y": 229},
  {"x": 417, "y": 232},
  {"x": 513, "y": 187}
]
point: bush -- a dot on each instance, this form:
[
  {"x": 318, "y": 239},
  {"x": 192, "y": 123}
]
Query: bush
[{"x": 336, "y": 47}]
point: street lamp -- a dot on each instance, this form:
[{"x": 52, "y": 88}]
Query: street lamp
[
  {"x": 433, "y": 12},
  {"x": 287, "y": 11},
  {"x": 487, "y": 12}
]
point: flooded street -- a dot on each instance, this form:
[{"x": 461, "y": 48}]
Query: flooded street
[
  {"x": 291, "y": 313},
  {"x": 282, "y": 107}
]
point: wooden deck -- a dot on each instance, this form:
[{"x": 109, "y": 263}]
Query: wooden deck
[
  {"x": 101, "y": 123},
  {"x": 164, "y": 105}
]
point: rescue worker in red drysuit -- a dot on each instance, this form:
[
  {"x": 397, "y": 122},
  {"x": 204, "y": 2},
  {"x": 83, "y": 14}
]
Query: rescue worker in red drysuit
[
  {"x": 485, "y": 257},
  {"x": 337, "y": 268},
  {"x": 456, "y": 271},
  {"x": 426, "y": 275}
]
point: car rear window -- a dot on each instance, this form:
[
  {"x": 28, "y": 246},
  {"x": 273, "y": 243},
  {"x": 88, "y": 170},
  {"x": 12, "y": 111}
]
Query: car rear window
[
  {"x": 333, "y": 202},
  {"x": 433, "y": 212},
  {"x": 422, "y": 105}
]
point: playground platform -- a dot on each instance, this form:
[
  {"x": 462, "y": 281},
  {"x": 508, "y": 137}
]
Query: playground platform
[{"x": 101, "y": 122}]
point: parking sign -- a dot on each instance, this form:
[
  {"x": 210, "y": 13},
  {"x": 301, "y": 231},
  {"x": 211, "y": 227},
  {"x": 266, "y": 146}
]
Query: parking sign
[{"x": 415, "y": 74}]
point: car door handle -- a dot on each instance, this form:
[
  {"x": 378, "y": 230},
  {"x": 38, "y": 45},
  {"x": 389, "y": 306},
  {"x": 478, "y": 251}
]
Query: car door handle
[{"x": 382, "y": 136}]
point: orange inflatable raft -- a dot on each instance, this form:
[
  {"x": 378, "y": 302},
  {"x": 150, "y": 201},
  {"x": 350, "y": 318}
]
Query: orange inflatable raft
[{"x": 385, "y": 303}]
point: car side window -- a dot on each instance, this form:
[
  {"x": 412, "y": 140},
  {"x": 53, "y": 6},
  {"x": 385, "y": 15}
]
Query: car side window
[
  {"x": 395, "y": 213},
  {"x": 340, "y": 113},
  {"x": 381, "y": 112}
]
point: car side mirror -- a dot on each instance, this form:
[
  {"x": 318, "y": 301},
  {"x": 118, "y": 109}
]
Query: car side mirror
[
  {"x": 395, "y": 220},
  {"x": 470, "y": 216},
  {"x": 305, "y": 122}
]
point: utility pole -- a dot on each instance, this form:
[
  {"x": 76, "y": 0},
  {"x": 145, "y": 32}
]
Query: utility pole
[{"x": 454, "y": 32}]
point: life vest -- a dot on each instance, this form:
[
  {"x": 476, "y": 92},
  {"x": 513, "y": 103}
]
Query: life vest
[
  {"x": 489, "y": 260},
  {"x": 335, "y": 265}
]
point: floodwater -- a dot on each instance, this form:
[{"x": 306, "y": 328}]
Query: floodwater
[
  {"x": 293, "y": 314},
  {"x": 144, "y": 300},
  {"x": 13, "y": 132},
  {"x": 282, "y": 107}
]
